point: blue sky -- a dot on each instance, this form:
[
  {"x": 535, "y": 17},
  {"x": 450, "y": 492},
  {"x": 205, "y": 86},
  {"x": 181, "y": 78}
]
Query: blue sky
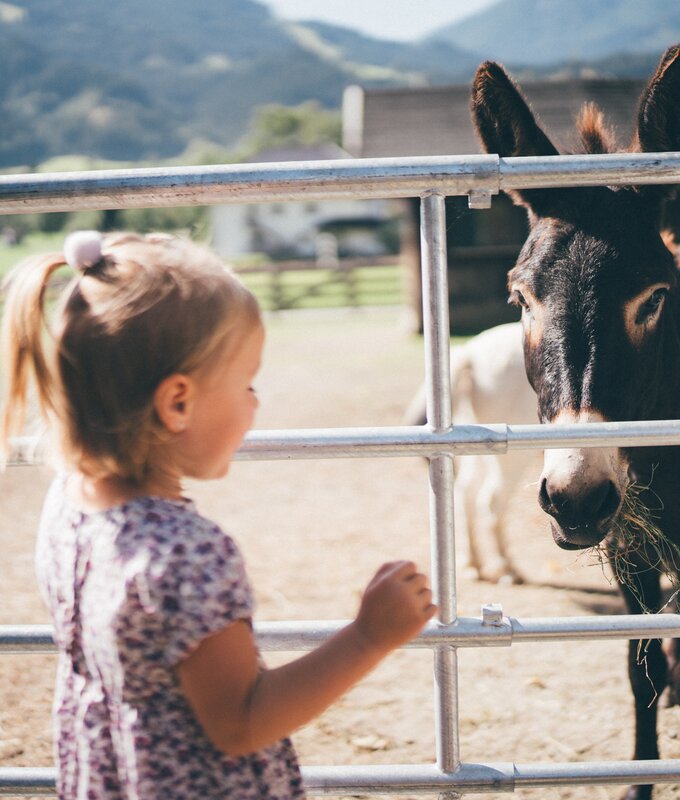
[{"x": 387, "y": 19}]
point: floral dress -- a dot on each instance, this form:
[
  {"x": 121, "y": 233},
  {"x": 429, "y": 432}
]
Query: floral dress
[{"x": 132, "y": 591}]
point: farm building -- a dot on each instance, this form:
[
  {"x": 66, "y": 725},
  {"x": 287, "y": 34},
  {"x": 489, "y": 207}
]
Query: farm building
[
  {"x": 483, "y": 244},
  {"x": 299, "y": 230}
]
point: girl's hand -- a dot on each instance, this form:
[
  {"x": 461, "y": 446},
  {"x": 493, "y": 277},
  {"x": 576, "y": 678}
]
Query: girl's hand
[
  {"x": 242, "y": 708},
  {"x": 395, "y": 606}
]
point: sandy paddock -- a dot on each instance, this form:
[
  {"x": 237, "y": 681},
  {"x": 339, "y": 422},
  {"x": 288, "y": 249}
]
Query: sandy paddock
[{"x": 314, "y": 531}]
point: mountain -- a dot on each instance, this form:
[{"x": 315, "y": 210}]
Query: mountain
[
  {"x": 547, "y": 32},
  {"x": 366, "y": 57},
  {"x": 131, "y": 80}
]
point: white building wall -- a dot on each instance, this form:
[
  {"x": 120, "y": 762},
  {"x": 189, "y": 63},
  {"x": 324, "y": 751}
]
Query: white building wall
[
  {"x": 242, "y": 229},
  {"x": 231, "y": 236}
]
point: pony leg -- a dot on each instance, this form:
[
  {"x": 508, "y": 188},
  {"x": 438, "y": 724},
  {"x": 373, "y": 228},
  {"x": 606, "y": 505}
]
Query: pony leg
[
  {"x": 492, "y": 502},
  {"x": 466, "y": 482},
  {"x": 506, "y": 567}
]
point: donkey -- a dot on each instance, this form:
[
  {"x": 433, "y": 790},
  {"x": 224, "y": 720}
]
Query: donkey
[{"x": 598, "y": 291}]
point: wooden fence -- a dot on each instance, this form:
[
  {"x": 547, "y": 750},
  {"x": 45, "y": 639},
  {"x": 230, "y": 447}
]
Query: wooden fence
[{"x": 283, "y": 285}]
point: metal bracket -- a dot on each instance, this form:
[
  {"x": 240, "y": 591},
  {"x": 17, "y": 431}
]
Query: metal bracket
[
  {"x": 479, "y": 198},
  {"x": 492, "y": 614}
]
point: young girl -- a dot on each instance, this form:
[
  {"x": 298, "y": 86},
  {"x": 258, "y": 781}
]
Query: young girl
[{"x": 145, "y": 375}]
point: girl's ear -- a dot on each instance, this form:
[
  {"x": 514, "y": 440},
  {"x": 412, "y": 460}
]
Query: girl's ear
[{"x": 173, "y": 402}]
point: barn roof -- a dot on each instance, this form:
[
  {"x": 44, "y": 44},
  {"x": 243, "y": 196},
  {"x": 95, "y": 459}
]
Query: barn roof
[{"x": 436, "y": 120}]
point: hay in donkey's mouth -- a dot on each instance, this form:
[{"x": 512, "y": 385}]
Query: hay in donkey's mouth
[{"x": 637, "y": 544}]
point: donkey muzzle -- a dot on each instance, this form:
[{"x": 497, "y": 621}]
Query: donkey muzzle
[
  {"x": 581, "y": 515},
  {"x": 582, "y": 490}
]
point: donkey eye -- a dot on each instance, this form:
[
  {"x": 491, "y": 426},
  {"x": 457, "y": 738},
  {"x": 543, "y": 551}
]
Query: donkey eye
[
  {"x": 651, "y": 306},
  {"x": 517, "y": 299}
]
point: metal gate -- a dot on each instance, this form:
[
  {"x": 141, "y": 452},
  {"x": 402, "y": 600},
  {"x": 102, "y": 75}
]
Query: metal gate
[{"x": 478, "y": 177}]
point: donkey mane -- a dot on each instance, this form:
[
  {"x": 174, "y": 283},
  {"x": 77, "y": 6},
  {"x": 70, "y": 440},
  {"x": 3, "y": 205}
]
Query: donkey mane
[
  {"x": 596, "y": 136},
  {"x": 670, "y": 239}
]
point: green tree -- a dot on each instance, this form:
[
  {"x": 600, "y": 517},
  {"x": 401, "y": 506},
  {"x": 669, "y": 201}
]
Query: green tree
[{"x": 275, "y": 125}]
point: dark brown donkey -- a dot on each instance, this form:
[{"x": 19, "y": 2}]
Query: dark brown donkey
[{"x": 598, "y": 289}]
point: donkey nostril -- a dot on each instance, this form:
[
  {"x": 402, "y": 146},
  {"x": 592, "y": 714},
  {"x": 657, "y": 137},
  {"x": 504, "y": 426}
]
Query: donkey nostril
[
  {"x": 553, "y": 501},
  {"x": 602, "y": 501},
  {"x": 596, "y": 503},
  {"x": 544, "y": 497}
]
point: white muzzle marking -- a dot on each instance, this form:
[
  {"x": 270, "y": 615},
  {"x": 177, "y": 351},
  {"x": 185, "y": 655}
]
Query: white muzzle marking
[{"x": 573, "y": 470}]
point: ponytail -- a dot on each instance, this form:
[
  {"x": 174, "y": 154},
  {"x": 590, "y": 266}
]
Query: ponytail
[{"x": 25, "y": 352}]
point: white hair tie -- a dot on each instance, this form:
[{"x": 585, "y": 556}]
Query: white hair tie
[{"x": 83, "y": 249}]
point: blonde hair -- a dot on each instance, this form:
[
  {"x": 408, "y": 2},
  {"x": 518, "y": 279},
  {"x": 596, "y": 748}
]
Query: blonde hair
[{"x": 151, "y": 307}]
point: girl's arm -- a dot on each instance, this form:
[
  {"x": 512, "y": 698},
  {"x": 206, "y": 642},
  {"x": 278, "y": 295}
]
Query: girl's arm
[{"x": 243, "y": 709}]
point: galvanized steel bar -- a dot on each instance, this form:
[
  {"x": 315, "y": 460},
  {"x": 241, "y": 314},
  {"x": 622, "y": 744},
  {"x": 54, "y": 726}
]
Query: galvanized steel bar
[
  {"x": 27, "y": 782},
  {"x": 600, "y": 772},
  {"x": 489, "y": 777},
  {"x": 474, "y": 632},
  {"x": 437, "y": 338},
  {"x": 284, "y": 636},
  {"x": 612, "y": 169},
  {"x": 626, "y": 626},
  {"x": 436, "y": 330},
  {"x": 246, "y": 183},
  {"x": 325, "y": 180},
  {"x": 384, "y": 442},
  {"x": 418, "y": 779},
  {"x": 388, "y": 442},
  {"x": 27, "y": 639}
]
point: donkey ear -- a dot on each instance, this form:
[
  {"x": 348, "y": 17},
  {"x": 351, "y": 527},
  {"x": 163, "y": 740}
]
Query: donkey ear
[
  {"x": 506, "y": 125},
  {"x": 658, "y": 128},
  {"x": 503, "y": 119}
]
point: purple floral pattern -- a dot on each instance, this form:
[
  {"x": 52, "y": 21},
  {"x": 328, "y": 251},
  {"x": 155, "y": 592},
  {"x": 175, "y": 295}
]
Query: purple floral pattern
[{"x": 132, "y": 591}]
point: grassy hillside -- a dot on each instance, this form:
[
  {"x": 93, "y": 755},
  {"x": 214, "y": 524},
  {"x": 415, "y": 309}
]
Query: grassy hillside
[{"x": 129, "y": 80}]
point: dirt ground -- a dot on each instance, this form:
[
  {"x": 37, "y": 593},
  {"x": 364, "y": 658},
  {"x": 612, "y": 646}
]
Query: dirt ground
[{"x": 313, "y": 532}]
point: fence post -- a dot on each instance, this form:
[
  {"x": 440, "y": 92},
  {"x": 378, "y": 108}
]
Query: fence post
[
  {"x": 275, "y": 288},
  {"x": 349, "y": 276},
  {"x": 438, "y": 388}
]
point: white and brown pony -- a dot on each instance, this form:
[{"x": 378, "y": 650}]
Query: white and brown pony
[{"x": 488, "y": 385}]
